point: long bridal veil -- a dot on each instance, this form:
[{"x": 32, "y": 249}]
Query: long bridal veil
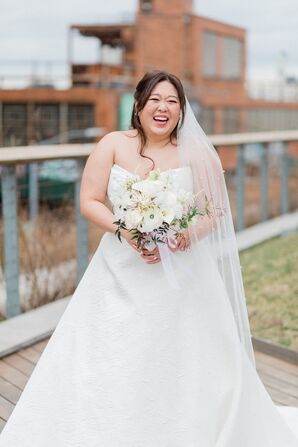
[{"x": 214, "y": 233}]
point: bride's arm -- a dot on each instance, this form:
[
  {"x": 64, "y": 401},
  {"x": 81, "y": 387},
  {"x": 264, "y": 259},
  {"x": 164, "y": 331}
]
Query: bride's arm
[
  {"x": 94, "y": 184},
  {"x": 204, "y": 226}
]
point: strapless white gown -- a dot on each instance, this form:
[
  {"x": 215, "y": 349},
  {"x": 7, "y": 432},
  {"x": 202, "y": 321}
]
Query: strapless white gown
[{"x": 135, "y": 364}]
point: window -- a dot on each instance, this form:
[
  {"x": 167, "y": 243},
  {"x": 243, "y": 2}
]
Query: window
[
  {"x": 46, "y": 121},
  {"x": 80, "y": 116},
  {"x": 146, "y": 6},
  {"x": 209, "y": 54},
  {"x": 204, "y": 115},
  {"x": 231, "y": 120},
  {"x": 14, "y": 124},
  {"x": 232, "y": 56},
  {"x": 207, "y": 120},
  {"x": 271, "y": 119}
]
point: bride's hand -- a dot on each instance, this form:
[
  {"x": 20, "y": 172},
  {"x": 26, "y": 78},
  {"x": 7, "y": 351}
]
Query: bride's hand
[
  {"x": 128, "y": 237},
  {"x": 179, "y": 242},
  {"x": 150, "y": 256}
]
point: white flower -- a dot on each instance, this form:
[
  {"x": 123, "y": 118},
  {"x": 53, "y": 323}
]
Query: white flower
[
  {"x": 185, "y": 197},
  {"x": 143, "y": 200},
  {"x": 133, "y": 218},
  {"x": 178, "y": 210},
  {"x": 149, "y": 187},
  {"x": 168, "y": 215},
  {"x": 165, "y": 199},
  {"x": 119, "y": 212},
  {"x": 152, "y": 219},
  {"x": 127, "y": 199}
]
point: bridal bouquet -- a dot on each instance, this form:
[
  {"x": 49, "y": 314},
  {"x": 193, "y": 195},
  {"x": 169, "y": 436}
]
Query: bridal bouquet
[{"x": 153, "y": 208}]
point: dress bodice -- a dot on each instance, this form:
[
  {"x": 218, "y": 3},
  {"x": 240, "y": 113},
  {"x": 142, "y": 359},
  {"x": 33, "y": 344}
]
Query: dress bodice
[{"x": 182, "y": 177}]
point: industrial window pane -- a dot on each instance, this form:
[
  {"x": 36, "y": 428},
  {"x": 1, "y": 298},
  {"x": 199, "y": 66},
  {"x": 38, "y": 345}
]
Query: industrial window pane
[
  {"x": 271, "y": 119},
  {"x": 232, "y": 52},
  {"x": 231, "y": 120},
  {"x": 80, "y": 116},
  {"x": 46, "y": 121},
  {"x": 209, "y": 54},
  {"x": 14, "y": 124},
  {"x": 206, "y": 119},
  {"x": 146, "y": 5}
]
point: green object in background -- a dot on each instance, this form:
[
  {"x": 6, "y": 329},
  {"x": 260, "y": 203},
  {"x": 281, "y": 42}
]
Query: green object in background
[
  {"x": 125, "y": 109},
  {"x": 56, "y": 180}
]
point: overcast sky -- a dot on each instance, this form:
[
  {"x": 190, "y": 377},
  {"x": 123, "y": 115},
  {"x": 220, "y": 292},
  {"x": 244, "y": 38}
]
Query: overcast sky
[{"x": 37, "y": 29}]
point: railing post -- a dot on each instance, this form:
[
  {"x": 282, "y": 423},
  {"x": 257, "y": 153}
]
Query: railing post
[
  {"x": 82, "y": 226},
  {"x": 1, "y": 125},
  {"x": 63, "y": 122},
  {"x": 240, "y": 177},
  {"x": 33, "y": 191},
  {"x": 10, "y": 240},
  {"x": 284, "y": 178},
  {"x": 264, "y": 181}
]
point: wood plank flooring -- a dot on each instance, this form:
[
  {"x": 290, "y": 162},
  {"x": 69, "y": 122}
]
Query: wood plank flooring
[{"x": 279, "y": 377}]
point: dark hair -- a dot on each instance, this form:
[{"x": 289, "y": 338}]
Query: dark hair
[{"x": 141, "y": 96}]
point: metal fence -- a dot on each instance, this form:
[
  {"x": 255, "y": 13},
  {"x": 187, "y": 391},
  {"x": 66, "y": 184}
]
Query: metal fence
[{"x": 40, "y": 163}]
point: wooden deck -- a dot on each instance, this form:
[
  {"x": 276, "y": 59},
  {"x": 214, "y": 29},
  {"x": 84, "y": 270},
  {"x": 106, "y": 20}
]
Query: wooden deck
[{"x": 279, "y": 377}]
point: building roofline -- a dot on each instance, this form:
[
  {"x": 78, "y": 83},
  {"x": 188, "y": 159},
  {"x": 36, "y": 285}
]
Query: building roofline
[
  {"x": 96, "y": 27},
  {"x": 102, "y": 27},
  {"x": 219, "y": 22}
]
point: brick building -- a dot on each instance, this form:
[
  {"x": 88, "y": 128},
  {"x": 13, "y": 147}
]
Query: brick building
[{"x": 208, "y": 55}]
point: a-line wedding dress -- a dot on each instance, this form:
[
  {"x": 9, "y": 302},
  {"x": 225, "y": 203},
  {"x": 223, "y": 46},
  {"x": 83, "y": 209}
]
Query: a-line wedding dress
[{"x": 134, "y": 363}]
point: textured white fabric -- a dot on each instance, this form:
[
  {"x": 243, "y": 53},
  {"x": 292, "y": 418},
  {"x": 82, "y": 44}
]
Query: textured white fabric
[{"x": 133, "y": 363}]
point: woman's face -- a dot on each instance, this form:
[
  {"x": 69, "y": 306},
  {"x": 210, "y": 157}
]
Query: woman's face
[{"x": 161, "y": 112}]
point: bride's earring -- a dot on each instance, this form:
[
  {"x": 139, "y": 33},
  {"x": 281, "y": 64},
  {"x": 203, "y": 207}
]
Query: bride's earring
[{"x": 180, "y": 119}]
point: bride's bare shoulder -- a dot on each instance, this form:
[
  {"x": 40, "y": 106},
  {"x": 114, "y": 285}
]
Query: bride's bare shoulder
[
  {"x": 117, "y": 136},
  {"x": 113, "y": 144},
  {"x": 122, "y": 135},
  {"x": 129, "y": 133}
]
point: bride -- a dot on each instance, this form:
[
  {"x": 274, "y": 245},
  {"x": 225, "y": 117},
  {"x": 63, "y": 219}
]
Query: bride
[{"x": 154, "y": 348}]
